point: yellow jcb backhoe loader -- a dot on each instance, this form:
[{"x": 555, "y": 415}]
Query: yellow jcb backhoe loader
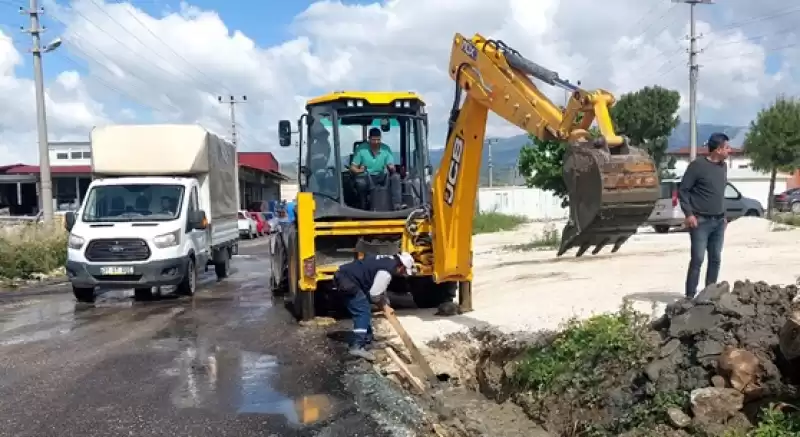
[{"x": 612, "y": 187}]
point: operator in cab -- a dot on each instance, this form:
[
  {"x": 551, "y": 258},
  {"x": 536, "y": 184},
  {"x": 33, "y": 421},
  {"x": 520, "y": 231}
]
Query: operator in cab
[
  {"x": 364, "y": 282},
  {"x": 373, "y": 164}
]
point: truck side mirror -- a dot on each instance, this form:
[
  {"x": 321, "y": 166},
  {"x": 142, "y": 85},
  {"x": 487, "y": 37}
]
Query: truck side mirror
[
  {"x": 69, "y": 220},
  {"x": 198, "y": 220},
  {"x": 285, "y": 133}
]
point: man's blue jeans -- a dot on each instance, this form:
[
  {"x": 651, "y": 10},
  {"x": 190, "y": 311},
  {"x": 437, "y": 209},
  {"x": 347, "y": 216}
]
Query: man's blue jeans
[
  {"x": 708, "y": 236},
  {"x": 361, "y": 311}
]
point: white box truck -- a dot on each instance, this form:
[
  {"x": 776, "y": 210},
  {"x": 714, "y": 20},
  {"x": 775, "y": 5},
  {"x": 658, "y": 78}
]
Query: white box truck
[{"x": 162, "y": 206}]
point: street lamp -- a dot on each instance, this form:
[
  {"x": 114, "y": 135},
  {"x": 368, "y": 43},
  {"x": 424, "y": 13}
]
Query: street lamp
[{"x": 54, "y": 44}]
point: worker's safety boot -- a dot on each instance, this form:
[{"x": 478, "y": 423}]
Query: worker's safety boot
[{"x": 361, "y": 352}]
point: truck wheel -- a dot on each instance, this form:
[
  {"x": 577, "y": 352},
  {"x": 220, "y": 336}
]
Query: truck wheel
[
  {"x": 223, "y": 269},
  {"x": 189, "y": 283},
  {"x": 83, "y": 294},
  {"x": 432, "y": 295},
  {"x": 143, "y": 294},
  {"x": 661, "y": 229}
]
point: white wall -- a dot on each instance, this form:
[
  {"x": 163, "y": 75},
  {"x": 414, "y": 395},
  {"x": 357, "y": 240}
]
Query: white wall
[
  {"x": 529, "y": 202},
  {"x": 288, "y": 191},
  {"x": 67, "y": 154},
  {"x": 756, "y": 185}
]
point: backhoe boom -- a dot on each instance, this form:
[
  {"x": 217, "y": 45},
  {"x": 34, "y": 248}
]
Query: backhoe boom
[{"x": 612, "y": 187}]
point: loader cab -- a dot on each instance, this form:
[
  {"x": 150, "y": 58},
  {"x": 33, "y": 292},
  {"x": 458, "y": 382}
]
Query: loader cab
[{"x": 335, "y": 126}]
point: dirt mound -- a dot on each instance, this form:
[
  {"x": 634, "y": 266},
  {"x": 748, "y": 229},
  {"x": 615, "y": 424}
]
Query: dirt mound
[{"x": 707, "y": 367}]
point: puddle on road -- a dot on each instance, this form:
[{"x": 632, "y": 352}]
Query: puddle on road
[{"x": 241, "y": 382}]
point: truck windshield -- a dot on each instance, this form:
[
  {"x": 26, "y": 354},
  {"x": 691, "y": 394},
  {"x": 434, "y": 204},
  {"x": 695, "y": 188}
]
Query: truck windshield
[{"x": 133, "y": 202}]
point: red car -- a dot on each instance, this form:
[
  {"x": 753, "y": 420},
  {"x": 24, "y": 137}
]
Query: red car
[{"x": 261, "y": 224}]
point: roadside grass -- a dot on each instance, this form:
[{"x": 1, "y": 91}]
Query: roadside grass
[
  {"x": 31, "y": 251},
  {"x": 548, "y": 239},
  {"x": 774, "y": 421},
  {"x": 786, "y": 218},
  {"x": 488, "y": 222}
]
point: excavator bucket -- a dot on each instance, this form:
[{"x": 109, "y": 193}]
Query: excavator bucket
[{"x": 611, "y": 193}]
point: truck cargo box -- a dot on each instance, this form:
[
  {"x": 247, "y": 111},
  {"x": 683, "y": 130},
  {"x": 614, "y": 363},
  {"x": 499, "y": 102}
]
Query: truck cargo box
[{"x": 170, "y": 150}]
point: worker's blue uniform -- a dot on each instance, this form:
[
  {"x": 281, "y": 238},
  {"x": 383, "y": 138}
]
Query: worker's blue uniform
[{"x": 354, "y": 280}]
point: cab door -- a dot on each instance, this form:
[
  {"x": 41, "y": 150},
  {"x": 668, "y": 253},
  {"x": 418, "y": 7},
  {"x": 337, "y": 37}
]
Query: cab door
[{"x": 199, "y": 237}]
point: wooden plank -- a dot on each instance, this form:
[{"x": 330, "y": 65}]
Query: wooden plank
[{"x": 416, "y": 355}]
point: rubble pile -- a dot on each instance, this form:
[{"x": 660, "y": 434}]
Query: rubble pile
[
  {"x": 724, "y": 349},
  {"x": 716, "y": 361}
]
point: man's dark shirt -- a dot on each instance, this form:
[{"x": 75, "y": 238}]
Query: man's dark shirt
[
  {"x": 702, "y": 188},
  {"x": 361, "y": 273}
]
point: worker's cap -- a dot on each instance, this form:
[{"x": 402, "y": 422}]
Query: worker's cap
[{"x": 408, "y": 262}]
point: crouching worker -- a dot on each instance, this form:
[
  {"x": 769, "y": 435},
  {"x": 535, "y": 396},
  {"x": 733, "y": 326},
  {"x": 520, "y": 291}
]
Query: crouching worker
[{"x": 362, "y": 283}]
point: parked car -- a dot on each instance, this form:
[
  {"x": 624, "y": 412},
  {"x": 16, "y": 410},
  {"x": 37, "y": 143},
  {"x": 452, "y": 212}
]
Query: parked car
[
  {"x": 247, "y": 226},
  {"x": 273, "y": 224},
  {"x": 260, "y": 222},
  {"x": 668, "y": 214},
  {"x": 789, "y": 200}
]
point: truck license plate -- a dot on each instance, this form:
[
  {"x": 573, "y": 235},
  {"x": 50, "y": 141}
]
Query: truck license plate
[{"x": 116, "y": 270}]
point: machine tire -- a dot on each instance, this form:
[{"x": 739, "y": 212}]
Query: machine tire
[
  {"x": 143, "y": 294},
  {"x": 188, "y": 286},
  {"x": 754, "y": 213},
  {"x": 223, "y": 269},
  {"x": 795, "y": 207},
  {"x": 279, "y": 264},
  {"x": 83, "y": 294},
  {"x": 432, "y": 294},
  {"x": 661, "y": 229},
  {"x": 300, "y": 307}
]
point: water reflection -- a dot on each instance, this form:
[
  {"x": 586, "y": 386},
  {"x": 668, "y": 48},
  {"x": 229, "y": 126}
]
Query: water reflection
[{"x": 242, "y": 382}]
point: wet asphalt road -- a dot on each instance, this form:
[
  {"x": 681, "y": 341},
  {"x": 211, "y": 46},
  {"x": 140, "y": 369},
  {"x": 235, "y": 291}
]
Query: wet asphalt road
[{"x": 229, "y": 362}]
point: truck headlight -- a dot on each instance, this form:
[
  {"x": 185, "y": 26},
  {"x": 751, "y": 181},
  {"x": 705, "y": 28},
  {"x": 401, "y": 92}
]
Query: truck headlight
[
  {"x": 75, "y": 241},
  {"x": 167, "y": 240}
]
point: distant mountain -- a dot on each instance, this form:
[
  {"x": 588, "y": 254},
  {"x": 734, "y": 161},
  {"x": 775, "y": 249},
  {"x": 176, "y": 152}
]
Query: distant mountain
[{"x": 506, "y": 151}]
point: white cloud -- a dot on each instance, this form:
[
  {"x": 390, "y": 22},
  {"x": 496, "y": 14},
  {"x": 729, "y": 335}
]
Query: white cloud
[{"x": 393, "y": 44}]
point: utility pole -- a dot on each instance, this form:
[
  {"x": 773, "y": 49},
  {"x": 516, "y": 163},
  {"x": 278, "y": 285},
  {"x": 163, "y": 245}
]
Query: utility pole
[
  {"x": 489, "y": 143},
  {"x": 46, "y": 180},
  {"x": 693, "y": 70},
  {"x": 235, "y": 140}
]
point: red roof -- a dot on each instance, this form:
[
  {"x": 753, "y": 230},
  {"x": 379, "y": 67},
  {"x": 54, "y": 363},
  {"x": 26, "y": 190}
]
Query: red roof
[
  {"x": 702, "y": 151},
  {"x": 261, "y": 161}
]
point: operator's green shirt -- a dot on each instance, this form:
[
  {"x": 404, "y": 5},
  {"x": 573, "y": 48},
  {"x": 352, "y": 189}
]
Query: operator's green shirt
[{"x": 374, "y": 163}]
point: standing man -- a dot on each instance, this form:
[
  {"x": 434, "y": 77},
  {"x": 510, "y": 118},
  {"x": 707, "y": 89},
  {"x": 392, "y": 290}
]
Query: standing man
[
  {"x": 702, "y": 198},
  {"x": 362, "y": 282}
]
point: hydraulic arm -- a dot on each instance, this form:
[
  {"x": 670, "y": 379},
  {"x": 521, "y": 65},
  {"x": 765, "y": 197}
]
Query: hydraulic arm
[{"x": 612, "y": 187}]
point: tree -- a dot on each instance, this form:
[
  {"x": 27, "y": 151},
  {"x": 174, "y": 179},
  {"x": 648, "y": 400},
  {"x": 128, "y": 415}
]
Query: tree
[
  {"x": 773, "y": 141},
  {"x": 647, "y": 117},
  {"x": 541, "y": 162}
]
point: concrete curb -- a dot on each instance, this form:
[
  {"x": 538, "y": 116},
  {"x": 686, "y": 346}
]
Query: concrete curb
[{"x": 41, "y": 288}]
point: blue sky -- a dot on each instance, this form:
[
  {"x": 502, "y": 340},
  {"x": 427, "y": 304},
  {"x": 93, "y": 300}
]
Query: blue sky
[{"x": 267, "y": 22}]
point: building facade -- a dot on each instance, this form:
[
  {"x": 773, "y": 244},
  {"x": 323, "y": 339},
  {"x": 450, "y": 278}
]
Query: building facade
[{"x": 71, "y": 171}]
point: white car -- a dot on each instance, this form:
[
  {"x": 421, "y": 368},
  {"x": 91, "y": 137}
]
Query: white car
[{"x": 247, "y": 226}]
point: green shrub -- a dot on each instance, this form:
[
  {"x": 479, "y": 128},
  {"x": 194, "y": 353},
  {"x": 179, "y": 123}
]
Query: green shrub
[
  {"x": 774, "y": 422},
  {"x": 486, "y": 222},
  {"x": 30, "y": 250},
  {"x": 572, "y": 357}
]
